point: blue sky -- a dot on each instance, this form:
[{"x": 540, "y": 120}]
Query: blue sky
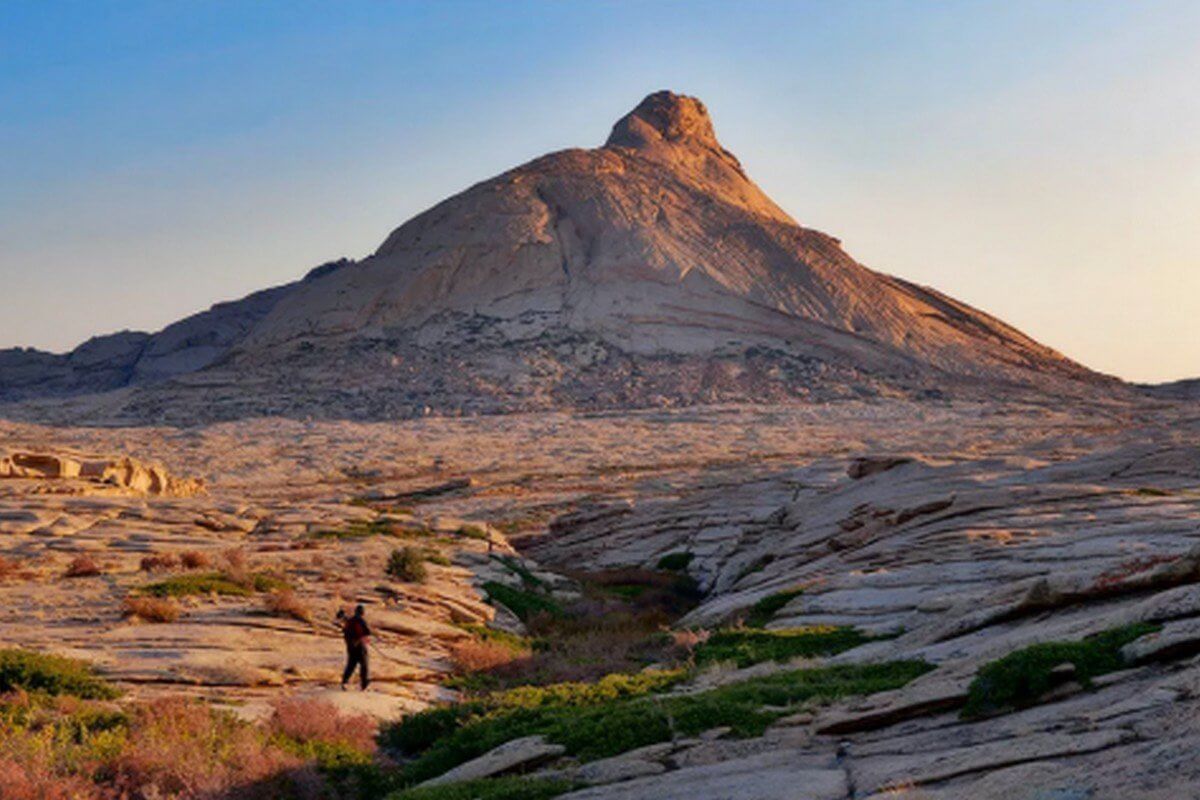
[{"x": 1040, "y": 160}]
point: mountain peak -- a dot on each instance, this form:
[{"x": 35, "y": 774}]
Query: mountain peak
[{"x": 665, "y": 117}]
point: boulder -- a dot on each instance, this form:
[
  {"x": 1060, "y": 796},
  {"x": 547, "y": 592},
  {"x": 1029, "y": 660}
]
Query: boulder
[
  {"x": 524, "y": 753},
  {"x": 866, "y": 466},
  {"x": 1175, "y": 640}
]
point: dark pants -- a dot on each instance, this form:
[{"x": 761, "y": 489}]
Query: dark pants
[{"x": 356, "y": 656}]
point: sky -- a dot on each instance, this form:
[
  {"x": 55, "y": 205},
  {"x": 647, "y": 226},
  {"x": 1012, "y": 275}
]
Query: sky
[{"x": 1039, "y": 160}]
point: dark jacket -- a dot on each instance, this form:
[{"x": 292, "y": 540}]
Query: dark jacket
[{"x": 355, "y": 631}]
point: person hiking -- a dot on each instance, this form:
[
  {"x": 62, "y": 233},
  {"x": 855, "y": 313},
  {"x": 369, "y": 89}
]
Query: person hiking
[{"x": 357, "y": 636}]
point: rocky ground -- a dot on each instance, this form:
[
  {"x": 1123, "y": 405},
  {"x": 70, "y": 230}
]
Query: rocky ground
[{"x": 958, "y": 532}]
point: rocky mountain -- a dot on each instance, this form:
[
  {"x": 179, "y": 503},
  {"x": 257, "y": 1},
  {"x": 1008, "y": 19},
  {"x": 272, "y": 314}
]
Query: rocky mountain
[
  {"x": 648, "y": 271},
  {"x": 1187, "y": 389}
]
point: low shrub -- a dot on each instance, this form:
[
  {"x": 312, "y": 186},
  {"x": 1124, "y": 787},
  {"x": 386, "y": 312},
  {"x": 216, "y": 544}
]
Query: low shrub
[
  {"x": 158, "y": 562},
  {"x": 510, "y": 640},
  {"x": 675, "y": 562},
  {"x": 151, "y": 609},
  {"x": 480, "y": 655},
  {"x": 765, "y": 609},
  {"x": 195, "y": 559},
  {"x": 38, "y": 781},
  {"x": 218, "y": 583},
  {"x": 51, "y": 748},
  {"x": 83, "y": 566},
  {"x": 626, "y": 712},
  {"x": 29, "y": 671},
  {"x": 523, "y": 603},
  {"x": 407, "y": 564},
  {"x": 286, "y": 603},
  {"x": 473, "y": 532},
  {"x": 750, "y": 646},
  {"x": 1020, "y": 678},
  {"x": 184, "y": 748},
  {"x": 63, "y": 748},
  {"x": 416, "y": 733},
  {"x": 235, "y": 559},
  {"x": 9, "y": 568},
  {"x": 317, "y": 731}
]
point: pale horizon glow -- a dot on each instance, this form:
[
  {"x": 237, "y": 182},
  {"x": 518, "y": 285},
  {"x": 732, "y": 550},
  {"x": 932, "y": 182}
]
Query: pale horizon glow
[{"x": 1038, "y": 160}]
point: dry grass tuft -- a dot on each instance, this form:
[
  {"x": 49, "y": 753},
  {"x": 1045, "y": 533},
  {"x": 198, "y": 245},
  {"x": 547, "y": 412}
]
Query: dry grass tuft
[
  {"x": 152, "y": 609},
  {"x": 483, "y": 656},
  {"x": 235, "y": 559},
  {"x": 194, "y": 559},
  {"x": 157, "y": 562},
  {"x": 83, "y": 567},
  {"x": 9, "y": 568},
  {"x": 286, "y": 603}
]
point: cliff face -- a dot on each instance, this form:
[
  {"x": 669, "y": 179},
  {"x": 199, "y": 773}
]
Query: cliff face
[{"x": 649, "y": 270}]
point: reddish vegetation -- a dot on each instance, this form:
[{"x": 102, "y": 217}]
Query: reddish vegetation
[
  {"x": 685, "y": 642},
  {"x": 171, "y": 747},
  {"x": 180, "y": 747},
  {"x": 36, "y": 781},
  {"x": 194, "y": 559},
  {"x": 319, "y": 721},
  {"x": 482, "y": 656},
  {"x": 83, "y": 567},
  {"x": 8, "y": 568},
  {"x": 159, "y": 561}
]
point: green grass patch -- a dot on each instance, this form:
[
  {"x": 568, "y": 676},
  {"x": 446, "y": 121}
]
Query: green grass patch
[
  {"x": 220, "y": 583},
  {"x": 436, "y": 557},
  {"x": 765, "y": 609},
  {"x": 627, "y": 591},
  {"x": 359, "y": 529},
  {"x": 510, "y": 640},
  {"x": 407, "y": 564},
  {"x": 524, "y": 604},
  {"x": 624, "y": 712},
  {"x": 42, "y": 673},
  {"x": 326, "y": 756},
  {"x": 515, "y": 566},
  {"x": 490, "y": 789},
  {"x": 418, "y": 732},
  {"x": 1023, "y": 676},
  {"x": 675, "y": 562},
  {"x": 473, "y": 532},
  {"x": 644, "y": 590},
  {"x": 749, "y": 646}
]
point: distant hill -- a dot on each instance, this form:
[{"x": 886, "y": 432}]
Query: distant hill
[{"x": 648, "y": 271}]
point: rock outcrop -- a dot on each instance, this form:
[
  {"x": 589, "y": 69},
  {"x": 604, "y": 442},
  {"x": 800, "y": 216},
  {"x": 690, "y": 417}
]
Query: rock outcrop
[{"x": 122, "y": 472}]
